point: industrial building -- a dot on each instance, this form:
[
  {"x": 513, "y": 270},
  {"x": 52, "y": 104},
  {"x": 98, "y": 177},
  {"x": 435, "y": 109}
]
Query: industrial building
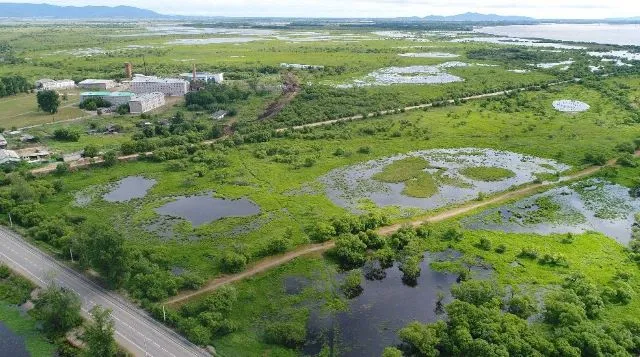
[
  {"x": 300, "y": 66},
  {"x": 146, "y": 102},
  {"x": 169, "y": 86},
  {"x": 115, "y": 98},
  {"x": 97, "y": 84},
  {"x": 50, "y": 84},
  {"x": 204, "y": 77}
]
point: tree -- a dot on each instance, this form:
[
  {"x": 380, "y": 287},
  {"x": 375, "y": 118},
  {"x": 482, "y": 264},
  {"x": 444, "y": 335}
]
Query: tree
[
  {"x": 48, "y": 101},
  {"x": 99, "y": 334},
  {"x": 103, "y": 249},
  {"x": 58, "y": 309},
  {"x": 110, "y": 158},
  {"x": 478, "y": 292},
  {"x": 233, "y": 262},
  {"x": 351, "y": 286}
]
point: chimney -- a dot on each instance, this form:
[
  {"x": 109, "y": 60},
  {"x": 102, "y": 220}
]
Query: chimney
[
  {"x": 194, "y": 72},
  {"x": 128, "y": 70}
]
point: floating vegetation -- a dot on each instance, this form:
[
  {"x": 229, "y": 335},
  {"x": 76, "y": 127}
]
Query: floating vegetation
[
  {"x": 409, "y": 75},
  {"x": 590, "y": 205},
  {"x": 485, "y": 173},
  {"x": 393, "y": 181}
]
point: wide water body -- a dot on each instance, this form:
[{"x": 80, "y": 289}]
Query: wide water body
[
  {"x": 598, "y": 33},
  {"x": 203, "y": 209},
  {"x": 11, "y": 344}
]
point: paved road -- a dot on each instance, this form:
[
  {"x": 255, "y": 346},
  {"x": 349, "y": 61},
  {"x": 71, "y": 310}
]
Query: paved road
[{"x": 135, "y": 330}]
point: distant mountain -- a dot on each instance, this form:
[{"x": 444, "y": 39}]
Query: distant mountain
[
  {"x": 73, "y": 12},
  {"x": 476, "y": 17}
]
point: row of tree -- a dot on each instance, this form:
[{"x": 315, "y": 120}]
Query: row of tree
[{"x": 12, "y": 85}]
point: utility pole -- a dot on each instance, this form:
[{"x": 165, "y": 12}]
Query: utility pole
[
  {"x": 10, "y": 220},
  {"x": 164, "y": 314},
  {"x": 71, "y": 253}
]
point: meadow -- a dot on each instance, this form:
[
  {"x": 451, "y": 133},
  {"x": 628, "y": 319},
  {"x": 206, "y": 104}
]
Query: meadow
[{"x": 243, "y": 159}]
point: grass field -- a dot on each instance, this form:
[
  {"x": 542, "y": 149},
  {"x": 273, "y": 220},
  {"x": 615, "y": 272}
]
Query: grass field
[{"x": 22, "y": 110}]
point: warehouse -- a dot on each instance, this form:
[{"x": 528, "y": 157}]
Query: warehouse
[
  {"x": 146, "y": 102},
  {"x": 115, "y": 98},
  {"x": 97, "y": 84},
  {"x": 50, "y": 84},
  {"x": 204, "y": 77},
  {"x": 169, "y": 86}
]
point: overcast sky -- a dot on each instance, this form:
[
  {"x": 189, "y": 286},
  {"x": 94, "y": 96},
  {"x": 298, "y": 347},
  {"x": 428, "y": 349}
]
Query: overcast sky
[{"x": 583, "y": 9}]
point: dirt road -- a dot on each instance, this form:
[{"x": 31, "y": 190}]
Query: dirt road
[{"x": 273, "y": 262}]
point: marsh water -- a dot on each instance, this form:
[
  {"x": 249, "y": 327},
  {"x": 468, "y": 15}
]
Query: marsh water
[
  {"x": 129, "y": 188},
  {"x": 11, "y": 344},
  {"x": 204, "y": 208},
  {"x": 385, "y": 305},
  {"x": 590, "y": 205},
  {"x": 618, "y": 34},
  {"x": 348, "y": 186}
]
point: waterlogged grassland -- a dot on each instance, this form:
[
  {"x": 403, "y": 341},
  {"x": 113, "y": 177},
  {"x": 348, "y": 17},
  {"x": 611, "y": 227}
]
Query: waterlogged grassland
[
  {"x": 483, "y": 173},
  {"x": 402, "y": 170}
]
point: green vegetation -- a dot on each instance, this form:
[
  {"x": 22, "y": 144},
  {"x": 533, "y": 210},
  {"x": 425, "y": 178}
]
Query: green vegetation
[
  {"x": 48, "y": 101},
  {"x": 484, "y": 173},
  {"x": 402, "y": 170}
]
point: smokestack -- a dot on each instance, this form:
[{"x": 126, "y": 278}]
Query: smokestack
[
  {"x": 194, "y": 72},
  {"x": 128, "y": 70}
]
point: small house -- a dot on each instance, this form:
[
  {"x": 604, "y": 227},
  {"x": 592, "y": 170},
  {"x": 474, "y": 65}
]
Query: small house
[
  {"x": 3, "y": 142},
  {"x": 8, "y": 157},
  {"x": 35, "y": 154},
  {"x": 219, "y": 115}
]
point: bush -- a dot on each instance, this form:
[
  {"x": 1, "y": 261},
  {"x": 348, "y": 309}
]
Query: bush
[
  {"x": 501, "y": 249},
  {"x": 65, "y": 134},
  {"x": 529, "y": 253},
  {"x": 598, "y": 159},
  {"x": 351, "y": 286},
  {"x": 364, "y": 150},
  {"x": 410, "y": 268},
  {"x": 288, "y": 334},
  {"x": 626, "y": 147},
  {"x": 568, "y": 239},
  {"x": 350, "y": 250},
  {"x": 484, "y": 244},
  {"x": 233, "y": 262},
  {"x": 276, "y": 245},
  {"x": 554, "y": 260},
  {"x": 522, "y": 306},
  {"x": 110, "y": 158},
  {"x": 90, "y": 151},
  {"x": 627, "y": 160}
]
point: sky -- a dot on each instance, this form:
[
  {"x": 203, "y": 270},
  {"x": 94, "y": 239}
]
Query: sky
[{"x": 566, "y": 9}]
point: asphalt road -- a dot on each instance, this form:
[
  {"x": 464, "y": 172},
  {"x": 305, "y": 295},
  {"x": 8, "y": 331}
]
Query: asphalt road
[{"x": 135, "y": 330}]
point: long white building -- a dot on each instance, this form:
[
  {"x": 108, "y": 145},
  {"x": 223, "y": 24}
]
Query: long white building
[
  {"x": 146, "y": 102},
  {"x": 50, "y": 84},
  {"x": 204, "y": 76},
  {"x": 173, "y": 87},
  {"x": 97, "y": 84},
  {"x": 115, "y": 98}
]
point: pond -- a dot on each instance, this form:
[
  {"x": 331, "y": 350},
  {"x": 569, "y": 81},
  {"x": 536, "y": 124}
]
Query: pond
[
  {"x": 408, "y": 75},
  {"x": 347, "y": 187},
  {"x": 11, "y": 344},
  {"x": 570, "y": 106},
  {"x": 385, "y": 305},
  {"x": 129, "y": 188},
  {"x": 590, "y": 205},
  {"x": 204, "y": 208}
]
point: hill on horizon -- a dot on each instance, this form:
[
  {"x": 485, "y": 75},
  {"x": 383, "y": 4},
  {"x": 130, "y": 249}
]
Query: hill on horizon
[{"x": 73, "y": 12}]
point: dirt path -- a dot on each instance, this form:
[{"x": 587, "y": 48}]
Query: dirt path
[
  {"x": 259, "y": 267},
  {"x": 290, "y": 89},
  {"x": 272, "y": 262}
]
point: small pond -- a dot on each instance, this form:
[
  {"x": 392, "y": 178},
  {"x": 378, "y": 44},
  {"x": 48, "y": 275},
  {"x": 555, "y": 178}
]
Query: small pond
[
  {"x": 204, "y": 208},
  {"x": 348, "y": 186},
  {"x": 11, "y": 344},
  {"x": 590, "y": 205},
  {"x": 385, "y": 305},
  {"x": 409, "y": 75},
  {"x": 129, "y": 188}
]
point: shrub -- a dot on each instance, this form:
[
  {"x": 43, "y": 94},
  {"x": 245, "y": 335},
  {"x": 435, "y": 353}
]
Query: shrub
[
  {"x": 598, "y": 159},
  {"x": 626, "y": 147},
  {"x": 233, "y": 262},
  {"x": 110, "y": 158},
  {"x": 90, "y": 151},
  {"x": 351, "y": 286},
  {"x": 65, "y": 134},
  {"x": 501, "y": 249},
  {"x": 529, "y": 253},
  {"x": 568, "y": 239},
  {"x": 350, "y": 250},
  {"x": 627, "y": 160},
  {"x": 554, "y": 260},
  {"x": 522, "y": 306},
  {"x": 410, "y": 268},
  {"x": 484, "y": 244},
  {"x": 288, "y": 334},
  {"x": 364, "y": 150}
]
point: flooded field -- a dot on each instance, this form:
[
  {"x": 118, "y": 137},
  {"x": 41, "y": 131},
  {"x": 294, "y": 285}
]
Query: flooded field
[
  {"x": 409, "y": 75},
  {"x": 550, "y": 65},
  {"x": 204, "y": 208},
  {"x": 385, "y": 305},
  {"x": 348, "y": 186},
  {"x": 518, "y": 42},
  {"x": 129, "y": 188},
  {"x": 429, "y": 55},
  {"x": 212, "y": 40},
  {"x": 590, "y": 205},
  {"x": 570, "y": 106},
  {"x": 11, "y": 344}
]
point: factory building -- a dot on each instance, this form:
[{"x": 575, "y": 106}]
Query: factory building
[
  {"x": 115, "y": 98},
  {"x": 169, "y": 86},
  {"x": 50, "y": 84},
  {"x": 146, "y": 102},
  {"x": 97, "y": 84},
  {"x": 204, "y": 77}
]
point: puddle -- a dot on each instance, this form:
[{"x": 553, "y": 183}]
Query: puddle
[
  {"x": 385, "y": 305},
  {"x": 294, "y": 285},
  {"x": 12, "y": 344},
  {"x": 409, "y": 75},
  {"x": 129, "y": 188},
  {"x": 346, "y": 187},
  {"x": 617, "y": 54},
  {"x": 518, "y": 42},
  {"x": 429, "y": 55},
  {"x": 550, "y": 65},
  {"x": 212, "y": 40},
  {"x": 570, "y": 106},
  {"x": 590, "y": 205},
  {"x": 204, "y": 209}
]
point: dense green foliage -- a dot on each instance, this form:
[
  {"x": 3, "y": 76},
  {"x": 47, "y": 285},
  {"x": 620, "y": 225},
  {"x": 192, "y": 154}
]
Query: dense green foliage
[
  {"x": 58, "y": 309},
  {"x": 48, "y": 101},
  {"x": 12, "y": 85}
]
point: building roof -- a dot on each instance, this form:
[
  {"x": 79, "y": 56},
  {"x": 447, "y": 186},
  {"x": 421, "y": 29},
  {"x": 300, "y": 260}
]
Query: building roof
[
  {"x": 153, "y": 79},
  {"x": 2, "y": 139},
  {"x": 96, "y": 81},
  {"x": 107, "y": 94}
]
